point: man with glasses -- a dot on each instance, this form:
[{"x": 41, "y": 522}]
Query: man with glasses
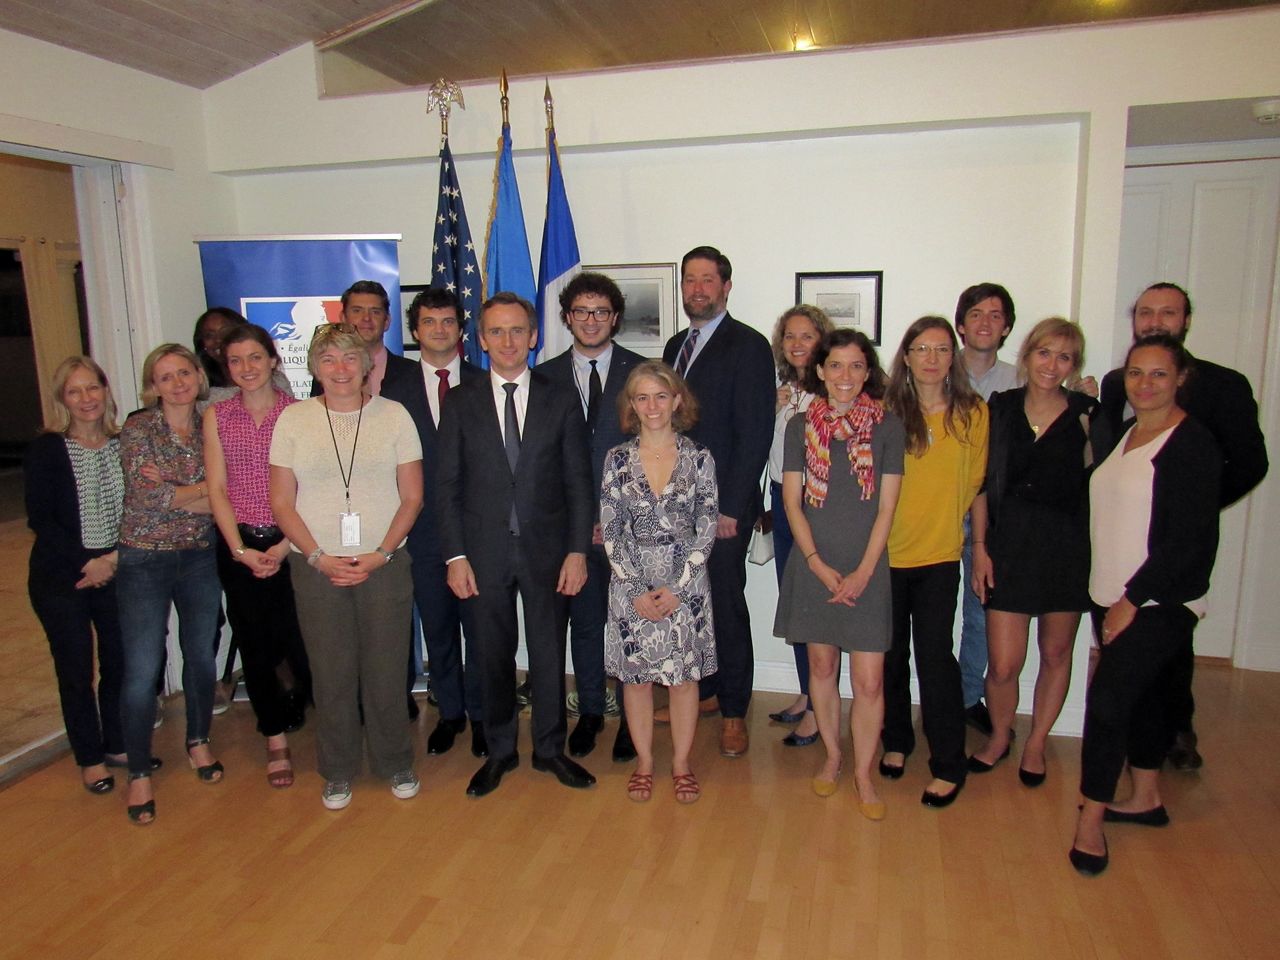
[
  {"x": 1221, "y": 399},
  {"x": 366, "y": 306},
  {"x": 595, "y": 368}
]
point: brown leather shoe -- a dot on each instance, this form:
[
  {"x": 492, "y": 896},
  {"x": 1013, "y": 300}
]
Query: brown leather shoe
[{"x": 733, "y": 737}]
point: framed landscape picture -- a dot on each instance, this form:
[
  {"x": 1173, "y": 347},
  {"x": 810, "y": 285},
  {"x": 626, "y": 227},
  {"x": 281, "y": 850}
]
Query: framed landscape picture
[
  {"x": 851, "y": 298},
  {"x": 650, "y": 292}
]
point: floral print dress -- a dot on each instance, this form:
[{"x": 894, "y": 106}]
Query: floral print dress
[{"x": 656, "y": 539}]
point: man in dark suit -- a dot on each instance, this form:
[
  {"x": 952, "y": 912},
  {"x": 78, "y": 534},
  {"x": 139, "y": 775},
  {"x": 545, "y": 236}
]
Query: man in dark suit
[
  {"x": 1222, "y": 400},
  {"x": 366, "y": 306},
  {"x": 433, "y": 321},
  {"x": 594, "y": 368},
  {"x": 513, "y": 504},
  {"x": 729, "y": 368}
]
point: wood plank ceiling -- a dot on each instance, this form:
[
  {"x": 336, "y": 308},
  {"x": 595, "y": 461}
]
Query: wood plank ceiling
[{"x": 200, "y": 42}]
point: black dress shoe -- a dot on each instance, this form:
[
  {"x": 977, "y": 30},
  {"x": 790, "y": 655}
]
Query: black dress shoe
[
  {"x": 891, "y": 772},
  {"x": 479, "y": 745},
  {"x": 1090, "y": 864},
  {"x": 979, "y": 717},
  {"x": 442, "y": 737},
  {"x": 486, "y": 779},
  {"x": 413, "y": 709},
  {"x": 1030, "y": 779},
  {"x": 940, "y": 800},
  {"x": 524, "y": 694},
  {"x": 566, "y": 771},
  {"x": 623, "y": 748},
  {"x": 1155, "y": 817},
  {"x": 981, "y": 766},
  {"x": 583, "y": 739},
  {"x": 1183, "y": 755}
]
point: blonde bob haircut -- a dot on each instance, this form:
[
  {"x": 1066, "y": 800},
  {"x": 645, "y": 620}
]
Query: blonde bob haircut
[
  {"x": 685, "y": 415},
  {"x": 1048, "y": 329},
  {"x": 340, "y": 336},
  {"x": 60, "y": 422},
  {"x": 149, "y": 395}
]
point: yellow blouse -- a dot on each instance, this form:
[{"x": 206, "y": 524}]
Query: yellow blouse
[{"x": 937, "y": 489}]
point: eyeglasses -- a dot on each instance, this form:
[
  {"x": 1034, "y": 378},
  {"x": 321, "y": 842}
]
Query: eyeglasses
[
  {"x": 923, "y": 350},
  {"x": 591, "y": 313}
]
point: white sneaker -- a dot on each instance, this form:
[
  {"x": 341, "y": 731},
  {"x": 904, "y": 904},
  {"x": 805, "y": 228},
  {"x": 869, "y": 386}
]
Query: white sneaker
[
  {"x": 337, "y": 794},
  {"x": 404, "y": 785}
]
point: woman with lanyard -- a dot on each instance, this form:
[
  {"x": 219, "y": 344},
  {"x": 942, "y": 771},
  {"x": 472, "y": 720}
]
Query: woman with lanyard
[
  {"x": 252, "y": 552},
  {"x": 796, "y": 338},
  {"x": 841, "y": 478},
  {"x": 346, "y": 486},
  {"x": 166, "y": 557}
]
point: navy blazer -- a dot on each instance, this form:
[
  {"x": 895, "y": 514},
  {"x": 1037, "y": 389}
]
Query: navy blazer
[
  {"x": 551, "y": 487},
  {"x": 733, "y": 378},
  {"x": 1222, "y": 400},
  {"x": 398, "y": 368},
  {"x": 608, "y": 432},
  {"x": 58, "y": 555},
  {"x": 411, "y": 392}
]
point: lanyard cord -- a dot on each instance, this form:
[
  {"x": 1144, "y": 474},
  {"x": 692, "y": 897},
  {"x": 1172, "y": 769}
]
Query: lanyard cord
[{"x": 350, "y": 472}]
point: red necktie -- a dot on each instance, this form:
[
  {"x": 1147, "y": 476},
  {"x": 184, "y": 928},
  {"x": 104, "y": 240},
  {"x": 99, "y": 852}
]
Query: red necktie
[{"x": 444, "y": 386}]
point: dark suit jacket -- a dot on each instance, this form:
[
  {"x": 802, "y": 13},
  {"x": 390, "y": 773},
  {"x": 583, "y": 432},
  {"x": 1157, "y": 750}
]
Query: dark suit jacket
[
  {"x": 733, "y": 379},
  {"x": 398, "y": 368},
  {"x": 424, "y": 538},
  {"x": 475, "y": 488},
  {"x": 1222, "y": 400},
  {"x": 608, "y": 432},
  {"x": 53, "y": 512}
]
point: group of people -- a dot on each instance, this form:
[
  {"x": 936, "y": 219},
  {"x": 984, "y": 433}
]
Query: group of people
[{"x": 616, "y": 497}]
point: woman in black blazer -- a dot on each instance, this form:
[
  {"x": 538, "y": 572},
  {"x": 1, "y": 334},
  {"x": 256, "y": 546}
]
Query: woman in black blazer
[
  {"x": 74, "y": 498},
  {"x": 1154, "y": 530}
]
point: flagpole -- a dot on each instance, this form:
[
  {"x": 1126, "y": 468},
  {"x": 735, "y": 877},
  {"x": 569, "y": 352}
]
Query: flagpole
[{"x": 440, "y": 97}]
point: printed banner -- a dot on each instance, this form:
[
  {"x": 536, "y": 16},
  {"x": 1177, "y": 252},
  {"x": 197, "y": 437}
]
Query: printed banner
[{"x": 289, "y": 286}]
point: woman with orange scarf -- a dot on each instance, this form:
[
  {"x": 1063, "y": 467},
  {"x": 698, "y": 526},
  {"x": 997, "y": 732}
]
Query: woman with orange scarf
[{"x": 842, "y": 468}]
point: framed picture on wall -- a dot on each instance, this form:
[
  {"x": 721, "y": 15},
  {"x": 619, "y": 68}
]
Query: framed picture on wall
[
  {"x": 407, "y": 292},
  {"x": 851, "y": 298},
  {"x": 650, "y": 292}
]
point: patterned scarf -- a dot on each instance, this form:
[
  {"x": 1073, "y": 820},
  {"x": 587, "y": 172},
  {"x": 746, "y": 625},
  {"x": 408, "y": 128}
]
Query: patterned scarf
[{"x": 822, "y": 425}]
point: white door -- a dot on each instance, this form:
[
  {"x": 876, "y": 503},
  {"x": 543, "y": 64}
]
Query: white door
[{"x": 1211, "y": 228}]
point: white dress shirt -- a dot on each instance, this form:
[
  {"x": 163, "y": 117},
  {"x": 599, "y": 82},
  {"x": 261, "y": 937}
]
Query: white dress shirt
[
  {"x": 500, "y": 399},
  {"x": 432, "y": 383},
  {"x": 582, "y": 372}
]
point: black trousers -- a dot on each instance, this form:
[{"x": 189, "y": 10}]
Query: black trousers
[
  {"x": 445, "y": 627},
  {"x": 70, "y": 619},
  {"x": 264, "y": 619},
  {"x": 1133, "y": 697},
  {"x": 727, "y": 577},
  {"x": 924, "y": 606},
  {"x": 546, "y": 615}
]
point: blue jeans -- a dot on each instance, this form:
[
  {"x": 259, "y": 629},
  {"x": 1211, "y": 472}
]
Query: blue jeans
[
  {"x": 782, "y": 544},
  {"x": 147, "y": 581},
  {"x": 973, "y": 629}
]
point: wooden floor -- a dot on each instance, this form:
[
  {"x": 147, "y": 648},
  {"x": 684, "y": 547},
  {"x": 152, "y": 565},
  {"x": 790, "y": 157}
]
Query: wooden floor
[{"x": 759, "y": 868}]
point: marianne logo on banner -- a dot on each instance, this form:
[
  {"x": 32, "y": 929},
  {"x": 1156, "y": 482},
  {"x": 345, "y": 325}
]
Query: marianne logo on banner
[{"x": 291, "y": 321}]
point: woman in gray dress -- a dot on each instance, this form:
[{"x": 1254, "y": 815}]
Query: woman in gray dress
[
  {"x": 658, "y": 510},
  {"x": 842, "y": 469}
]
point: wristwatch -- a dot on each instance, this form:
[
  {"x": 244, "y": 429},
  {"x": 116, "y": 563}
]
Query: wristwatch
[
  {"x": 238, "y": 551},
  {"x": 387, "y": 555}
]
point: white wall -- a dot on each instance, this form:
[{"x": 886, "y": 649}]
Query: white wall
[{"x": 71, "y": 102}]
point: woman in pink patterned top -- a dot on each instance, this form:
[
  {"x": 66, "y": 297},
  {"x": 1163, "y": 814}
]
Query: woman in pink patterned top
[{"x": 252, "y": 551}]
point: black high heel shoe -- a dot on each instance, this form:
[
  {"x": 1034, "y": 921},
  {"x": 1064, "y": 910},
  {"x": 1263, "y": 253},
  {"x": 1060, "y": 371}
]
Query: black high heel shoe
[
  {"x": 210, "y": 772},
  {"x": 142, "y": 814},
  {"x": 102, "y": 785}
]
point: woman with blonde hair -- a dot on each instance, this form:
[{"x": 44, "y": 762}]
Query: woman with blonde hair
[
  {"x": 946, "y": 429},
  {"x": 74, "y": 498},
  {"x": 1031, "y": 538},
  {"x": 658, "y": 511},
  {"x": 796, "y": 338},
  {"x": 166, "y": 558}
]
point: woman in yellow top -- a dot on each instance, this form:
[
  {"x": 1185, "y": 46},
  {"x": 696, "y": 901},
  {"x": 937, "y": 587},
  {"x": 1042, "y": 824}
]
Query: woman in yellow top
[{"x": 946, "y": 425}]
